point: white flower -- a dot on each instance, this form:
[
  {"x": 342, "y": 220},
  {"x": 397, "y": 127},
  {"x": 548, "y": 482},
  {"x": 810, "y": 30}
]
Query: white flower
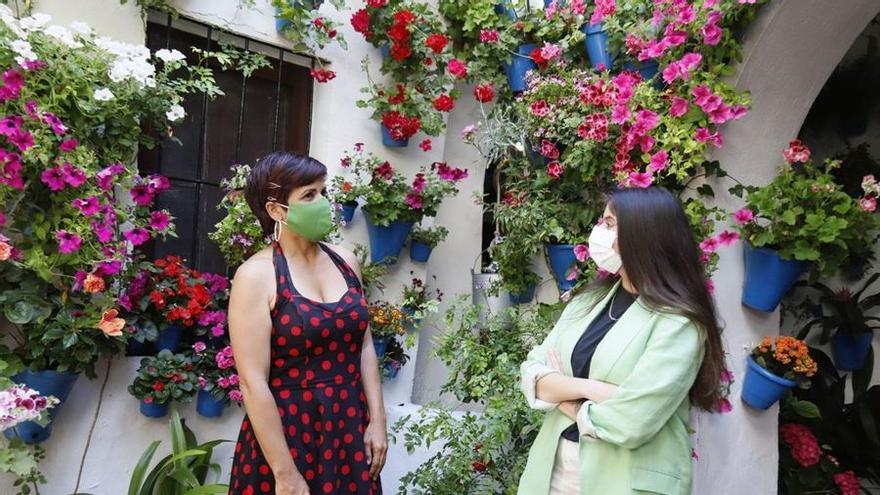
[
  {"x": 170, "y": 56},
  {"x": 133, "y": 68},
  {"x": 63, "y": 35},
  {"x": 24, "y": 50},
  {"x": 81, "y": 28},
  {"x": 175, "y": 113},
  {"x": 35, "y": 22},
  {"x": 103, "y": 94}
]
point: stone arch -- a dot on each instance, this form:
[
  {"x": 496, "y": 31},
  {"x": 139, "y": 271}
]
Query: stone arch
[{"x": 790, "y": 51}]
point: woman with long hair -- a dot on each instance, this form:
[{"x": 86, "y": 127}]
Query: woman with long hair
[
  {"x": 627, "y": 358},
  {"x": 315, "y": 420}
]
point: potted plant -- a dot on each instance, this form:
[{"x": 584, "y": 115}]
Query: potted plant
[
  {"x": 386, "y": 323},
  {"x": 846, "y": 325},
  {"x": 23, "y": 415},
  {"x": 217, "y": 378},
  {"x": 424, "y": 240},
  {"x": 238, "y": 234},
  {"x": 774, "y": 367},
  {"x": 418, "y": 301},
  {"x": 345, "y": 189},
  {"x": 301, "y": 23},
  {"x": 800, "y": 220},
  {"x": 161, "y": 380},
  {"x": 184, "y": 470},
  {"x": 394, "y": 359},
  {"x": 389, "y": 217}
]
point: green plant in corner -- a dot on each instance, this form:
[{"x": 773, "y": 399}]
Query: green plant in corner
[
  {"x": 184, "y": 471},
  {"x": 847, "y": 311}
]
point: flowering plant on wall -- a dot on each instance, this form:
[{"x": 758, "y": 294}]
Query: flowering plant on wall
[
  {"x": 164, "y": 378},
  {"x": 357, "y": 166},
  {"x": 74, "y": 108},
  {"x": 238, "y": 234},
  {"x": 215, "y": 369},
  {"x": 309, "y": 30},
  {"x": 804, "y": 214}
]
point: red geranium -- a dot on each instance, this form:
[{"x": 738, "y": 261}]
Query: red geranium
[
  {"x": 377, "y": 4},
  {"x": 804, "y": 446},
  {"x": 322, "y": 75},
  {"x": 400, "y": 126},
  {"x": 400, "y": 52},
  {"x": 399, "y": 33},
  {"x": 436, "y": 42},
  {"x": 399, "y": 97},
  {"x": 360, "y": 21},
  {"x": 539, "y": 58},
  {"x": 444, "y": 103},
  {"x": 404, "y": 17},
  {"x": 484, "y": 92}
]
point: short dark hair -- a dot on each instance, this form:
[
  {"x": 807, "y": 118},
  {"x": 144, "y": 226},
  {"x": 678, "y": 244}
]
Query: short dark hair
[{"x": 273, "y": 178}]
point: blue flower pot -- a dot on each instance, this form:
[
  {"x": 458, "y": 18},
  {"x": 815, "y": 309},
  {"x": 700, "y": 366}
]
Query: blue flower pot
[
  {"x": 596, "y": 42},
  {"x": 208, "y": 406},
  {"x": 391, "y": 143},
  {"x": 647, "y": 69},
  {"x": 380, "y": 344},
  {"x": 348, "y": 210},
  {"x": 282, "y": 24},
  {"x": 411, "y": 323},
  {"x": 761, "y": 389},
  {"x": 47, "y": 382},
  {"x": 419, "y": 252},
  {"x": 385, "y": 50},
  {"x": 169, "y": 338},
  {"x": 768, "y": 277},
  {"x": 392, "y": 371},
  {"x": 523, "y": 297},
  {"x": 851, "y": 352},
  {"x": 561, "y": 260},
  {"x": 517, "y": 69},
  {"x": 503, "y": 8},
  {"x": 153, "y": 410},
  {"x": 386, "y": 242}
]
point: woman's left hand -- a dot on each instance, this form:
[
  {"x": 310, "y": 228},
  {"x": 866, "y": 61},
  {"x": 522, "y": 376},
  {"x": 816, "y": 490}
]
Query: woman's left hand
[
  {"x": 570, "y": 408},
  {"x": 376, "y": 443}
]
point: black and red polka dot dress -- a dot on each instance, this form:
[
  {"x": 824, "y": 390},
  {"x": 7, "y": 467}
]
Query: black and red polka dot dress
[{"x": 315, "y": 377}]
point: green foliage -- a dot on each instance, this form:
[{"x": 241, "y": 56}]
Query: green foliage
[
  {"x": 846, "y": 311},
  {"x": 485, "y": 452},
  {"x": 184, "y": 471},
  {"x": 306, "y": 27},
  {"x": 371, "y": 273},
  {"x": 805, "y": 215},
  {"x": 22, "y": 461},
  {"x": 165, "y": 378},
  {"x": 430, "y": 236}
]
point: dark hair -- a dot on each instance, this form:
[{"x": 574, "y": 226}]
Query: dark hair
[
  {"x": 662, "y": 261},
  {"x": 274, "y": 177}
]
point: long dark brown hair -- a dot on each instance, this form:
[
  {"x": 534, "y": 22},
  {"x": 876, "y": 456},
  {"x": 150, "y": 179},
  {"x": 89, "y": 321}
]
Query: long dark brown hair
[{"x": 662, "y": 261}]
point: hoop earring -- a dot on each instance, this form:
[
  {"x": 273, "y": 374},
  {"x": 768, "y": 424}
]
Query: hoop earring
[{"x": 276, "y": 234}]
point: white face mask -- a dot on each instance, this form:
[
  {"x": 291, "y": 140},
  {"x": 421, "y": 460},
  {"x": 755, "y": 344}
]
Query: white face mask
[{"x": 602, "y": 249}]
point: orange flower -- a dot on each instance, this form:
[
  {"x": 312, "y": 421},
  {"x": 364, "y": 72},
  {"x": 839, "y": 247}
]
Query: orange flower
[
  {"x": 5, "y": 251},
  {"x": 110, "y": 324},
  {"x": 346, "y": 186},
  {"x": 94, "y": 283}
]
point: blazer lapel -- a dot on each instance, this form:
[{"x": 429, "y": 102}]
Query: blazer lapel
[{"x": 613, "y": 347}]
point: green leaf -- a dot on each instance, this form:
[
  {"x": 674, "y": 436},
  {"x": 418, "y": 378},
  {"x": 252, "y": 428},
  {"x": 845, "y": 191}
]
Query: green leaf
[
  {"x": 140, "y": 469},
  {"x": 806, "y": 409},
  {"x": 20, "y": 313},
  {"x": 207, "y": 489}
]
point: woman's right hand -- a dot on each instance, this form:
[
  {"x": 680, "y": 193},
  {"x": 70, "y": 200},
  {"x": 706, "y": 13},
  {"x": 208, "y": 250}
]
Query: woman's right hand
[{"x": 292, "y": 484}]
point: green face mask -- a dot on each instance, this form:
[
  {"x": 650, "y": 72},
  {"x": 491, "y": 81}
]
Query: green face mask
[{"x": 310, "y": 220}]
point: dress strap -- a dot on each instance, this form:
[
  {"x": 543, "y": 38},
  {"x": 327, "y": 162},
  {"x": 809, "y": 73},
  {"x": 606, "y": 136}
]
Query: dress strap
[
  {"x": 282, "y": 273},
  {"x": 350, "y": 277}
]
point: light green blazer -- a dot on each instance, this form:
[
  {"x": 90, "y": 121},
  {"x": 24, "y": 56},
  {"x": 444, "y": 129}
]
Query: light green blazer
[{"x": 639, "y": 441}]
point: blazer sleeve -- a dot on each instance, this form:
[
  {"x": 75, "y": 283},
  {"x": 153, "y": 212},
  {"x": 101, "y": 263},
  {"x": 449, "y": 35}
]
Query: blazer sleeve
[{"x": 652, "y": 393}]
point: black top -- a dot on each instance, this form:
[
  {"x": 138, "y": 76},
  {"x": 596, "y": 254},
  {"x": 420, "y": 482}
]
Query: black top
[{"x": 582, "y": 355}]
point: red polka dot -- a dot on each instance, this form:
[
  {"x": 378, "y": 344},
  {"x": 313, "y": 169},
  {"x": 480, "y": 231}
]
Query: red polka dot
[
  {"x": 332, "y": 346},
  {"x": 291, "y": 430},
  {"x": 352, "y": 412},
  {"x": 310, "y": 375},
  {"x": 326, "y": 365},
  {"x": 265, "y": 487},
  {"x": 315, "y": 321},
  {"x": 296, "y": 331},
  {"x": 279, "y": 363},
  {"x": 336, "y": 408},
  {"x": 281, "y": 341},
  {"x": 285, "y": 319},
  {"x": 343, "y": 394},
  {"x": 347, "y": 337},
  {"x": 308, "y": 396},
  {"x": 362, "y": 325},
  {"x": 352, "y": 486},
  {"x": 304, "y": 307},
  {"x": 293, "y": 352},
  {"x": 292, "y": 409},
  {"x": 310, "y": 475},
  {"x": 248, "y": 490},
  {"x": 293, "y": 372},
  {"x": 348, "y": 438},
  {"x": 353, "y": 348},
  {"x": 345, "y": 469},
  {"x": 307, "y": 438},
  {"x": 328, "y": 454},
  {"x": 276, "y": 382},
  {"x": 264, "y": 470},
  {"x": 328, "y": 487},
  {"x": 338, "y": 379},
  {"x": 284, "y": 394},
  {"x": 306, "y": 420},
  {"x": 327, "y": 314},
  {"x": 354, "y": 315},
  {"x": 328, "y": 391},
  {"x": 247, "y": 469},
  {"x": 310, "y": 458},
  {"x": 348, "y": 299},
  {"x": 352, "y": 368},
  {"x": 340, "y": 323},
  {"x": 325, "y": 333},
  {"x": 319, "y": 350}
]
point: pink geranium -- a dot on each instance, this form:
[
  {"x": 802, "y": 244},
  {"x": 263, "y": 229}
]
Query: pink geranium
[
  {"x": 743, "y": 216},
  {"x": 539, "y": 108},
  {"x": 604, "y": 8},
  {"x": 414, "y": 200},
  {"x": 640, "y": 179},
  {"x": 554, "y": 169},
  {"x": 457, "y": 68},
  {"x": 549, "y": 150},
  {"x": 868, "y": 203},
  {"x": 678, "y": 107},
  {"x": 727, "y": 237},
  {"x": 709, "y": 245},
  {"x": 703, "y": 135},
  {"x": 488, "y": 36},
  {"x": 581, "y": 252},
  {"x": 425, "y": 145},
  {"x": 796, "y": 152}
]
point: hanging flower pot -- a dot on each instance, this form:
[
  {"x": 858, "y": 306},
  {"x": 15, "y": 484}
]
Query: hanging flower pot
[
  {"x": 386, "y": 241},
  {"x": 596, "y": 42},
  {"x": 419, "y": 252},
  {"x": 283, "y": 24},
  {"x": 561, "y": 258},
  {"x": 348, "y": 210},
  {"x": 761, "y": 389},
  {"x": 169, "y": 338},
  {"x": 380, "y": 344},
  {"x": 851, "y": 352},
  {"x": 209, "y": 406},
  {"x": 768, "y": 277},
  {"x": 647, "y": 70},
  {"x": 391, "y": 370},
  {"x": 412, "y": 323},
  {"x": 517, "y": 69},
  {"x": 504, "y": 8},
  {"x": 523, "y": 297},
  {"x": 154, "y": 409},
  {"x": 46, "y": 382},
  {"x": 390, "y": 142},
  {"x": 482, "y": 296}
]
